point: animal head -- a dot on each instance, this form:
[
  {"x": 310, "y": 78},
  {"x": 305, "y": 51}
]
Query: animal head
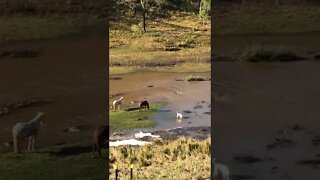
[
  {"x": 121, "y": 98},
  {"x": 40, "y": 113}
]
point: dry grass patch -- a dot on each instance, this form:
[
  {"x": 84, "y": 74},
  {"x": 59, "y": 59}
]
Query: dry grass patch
[{"x": 184, "y": 158}]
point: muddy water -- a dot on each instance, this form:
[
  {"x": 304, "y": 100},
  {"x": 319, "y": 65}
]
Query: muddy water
[
  {"x": 178, "y": 96},
  {"x": 253, "y": 101},
  {"x": 70, "y": 71}
]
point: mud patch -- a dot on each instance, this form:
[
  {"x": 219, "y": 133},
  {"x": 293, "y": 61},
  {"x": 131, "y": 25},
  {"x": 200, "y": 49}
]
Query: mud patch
[
  {"x": 217, "y": 58},
  {"x": 297, "y": 128},
  {"x": 116, "y": 94},
  {"x": 115, "y": 78},
  {"x": 316, "y": 140},
  {"x": 314, "y": 163},
  {"x": 8, "y": 108},
  {"x": 248, "y": 159},
  {"x": 281, "y": 143},
  {"x": 197, "y": 106},
  {"x": 241, "y": 177},
  {"x": 316, "y": 57},
  {"x": 147, "y": 64},
  {"x": 19, "y": 53}
]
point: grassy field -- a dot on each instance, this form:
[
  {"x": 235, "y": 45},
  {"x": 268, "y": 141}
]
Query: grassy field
[
  {"x": 180, "y": 159},
  {"x": 71, "y": 161},
  {"x": 42, "y": 19},
  {"x": 20, "y": 28},
  {"x": 179, "y": 43},
  {"x": 123, "y": 119},
  {"x": 265, "y": 18}
]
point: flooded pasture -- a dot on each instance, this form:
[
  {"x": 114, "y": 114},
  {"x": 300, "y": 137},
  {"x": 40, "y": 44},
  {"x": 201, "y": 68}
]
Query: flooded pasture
[
  {"x": 68, "y": 72},
  {"x": 267, "y": 110},
  {"x": 190, "y": 98}
]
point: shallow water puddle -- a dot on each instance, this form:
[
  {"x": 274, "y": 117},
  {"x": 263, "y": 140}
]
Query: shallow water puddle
[{"x": 191, "y": 99}]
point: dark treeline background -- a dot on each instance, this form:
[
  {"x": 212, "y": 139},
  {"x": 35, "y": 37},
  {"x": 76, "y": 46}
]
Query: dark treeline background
[
  {"x": 41, "y": 7},
  {"x": 275, "y": 2}
]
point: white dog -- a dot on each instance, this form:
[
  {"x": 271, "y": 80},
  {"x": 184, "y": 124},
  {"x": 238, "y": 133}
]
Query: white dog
[
  {"x": 179, "y": 116},
  {"x": 221, "y": 169}
]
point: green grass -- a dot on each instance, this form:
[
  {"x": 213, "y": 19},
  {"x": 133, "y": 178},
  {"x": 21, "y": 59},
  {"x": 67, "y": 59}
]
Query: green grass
[
  {"x": 265, "y": 18},
  {"x": 122, "y": 119},
  {"x": 183, "y": 158},
  {"x": 71, "y": 161}
]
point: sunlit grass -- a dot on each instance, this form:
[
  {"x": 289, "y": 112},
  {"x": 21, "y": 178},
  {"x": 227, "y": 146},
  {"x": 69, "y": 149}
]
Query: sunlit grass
[
  {"x": 180, "y": 159},
  {"x": 181, "y": 38},
  {"x": 122, "y": 119}
]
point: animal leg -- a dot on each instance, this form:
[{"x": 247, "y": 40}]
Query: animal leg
[
  {"x": 93, "y": 149},
  {"x": 18, "y": 145},
  {"x": 29, "y": 143},
  {"x": 33, "y": 143},
  {"x": 99, "y": 149},
  {"x": 15, "y": 146}
]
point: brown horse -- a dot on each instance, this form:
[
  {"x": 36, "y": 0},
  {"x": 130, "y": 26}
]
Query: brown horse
[
  {"x": 144, "y": 104},
  {"x": 100, "y": 134}
]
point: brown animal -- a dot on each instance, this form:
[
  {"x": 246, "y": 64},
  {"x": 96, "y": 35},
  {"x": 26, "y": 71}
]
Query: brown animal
[
  {"x": 144, "y": 104},
  {"x": 99, "y": 136}
]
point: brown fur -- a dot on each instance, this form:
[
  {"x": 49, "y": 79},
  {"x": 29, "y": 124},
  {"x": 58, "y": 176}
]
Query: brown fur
[
  {"x": 100, "y": 134},
  {"x": 144, "y": 104}
]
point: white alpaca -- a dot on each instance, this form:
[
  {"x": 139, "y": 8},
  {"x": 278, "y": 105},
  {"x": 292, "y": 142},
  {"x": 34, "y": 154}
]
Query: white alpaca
[
  {"x": 223, "y": 169},
  {"x": 117, "y": 103},
  {"x": 179, "y": 116},
  {"x": 29, "y": 129}
]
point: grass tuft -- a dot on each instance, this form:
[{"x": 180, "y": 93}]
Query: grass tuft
[
  {"x": 195, "y": 78},
  {"x": 257, "y": 53}
]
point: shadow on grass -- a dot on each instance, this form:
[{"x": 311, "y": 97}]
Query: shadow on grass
[
  {"x": 132, "y": 109},
  {"x": 69, "y": 150}
]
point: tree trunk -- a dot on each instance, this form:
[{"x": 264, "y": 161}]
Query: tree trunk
[{"x": 143, "y": 16}]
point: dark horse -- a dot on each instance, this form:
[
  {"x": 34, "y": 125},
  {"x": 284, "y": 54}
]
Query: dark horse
[
  {"x": 144, "y": 104},
  {"x": 100, "y": 134}
]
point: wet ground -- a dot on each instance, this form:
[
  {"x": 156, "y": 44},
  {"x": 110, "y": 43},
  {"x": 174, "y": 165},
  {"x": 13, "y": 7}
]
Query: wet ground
[
  {"x": 67, "y": 73},
  {"x": 269, "y": 111},
  {"x": 191, "y": 99}
]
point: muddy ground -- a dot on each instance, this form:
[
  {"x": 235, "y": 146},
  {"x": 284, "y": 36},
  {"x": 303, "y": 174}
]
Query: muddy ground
[
  {"x": 266, "y": 115},
  {"x": 68, "y": 73},
  {"x": 192, "y": 99}
]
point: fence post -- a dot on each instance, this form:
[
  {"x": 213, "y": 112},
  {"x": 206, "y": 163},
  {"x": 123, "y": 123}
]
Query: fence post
[
  {"x": 116, "y": 171},
  {"x": 131, "y": 171}
]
